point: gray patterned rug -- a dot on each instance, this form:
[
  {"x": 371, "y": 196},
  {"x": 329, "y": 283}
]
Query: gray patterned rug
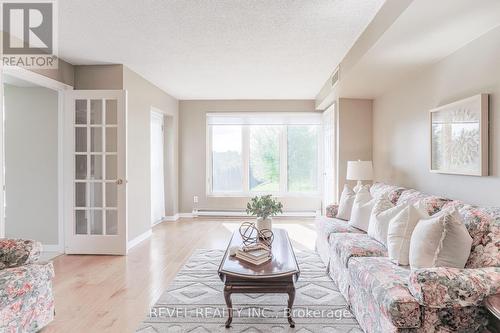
[{"x": 194, "y": 302}]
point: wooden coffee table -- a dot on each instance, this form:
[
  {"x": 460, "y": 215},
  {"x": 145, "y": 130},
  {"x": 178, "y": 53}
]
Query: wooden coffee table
[{"x": 276, "y": 276}]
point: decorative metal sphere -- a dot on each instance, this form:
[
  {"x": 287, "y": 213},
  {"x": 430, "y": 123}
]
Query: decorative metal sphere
[
  {"x": 249, "y": 233},
  {"x": 266, "y": 236}
]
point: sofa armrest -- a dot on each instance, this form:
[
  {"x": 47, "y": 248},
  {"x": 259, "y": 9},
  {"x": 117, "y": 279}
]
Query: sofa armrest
[
  {"x": 332, "y": 210},
  {"x": 17, "y": 252},
  {"x": 18, "y": 281},
  {"x": 443, "y": 287}
]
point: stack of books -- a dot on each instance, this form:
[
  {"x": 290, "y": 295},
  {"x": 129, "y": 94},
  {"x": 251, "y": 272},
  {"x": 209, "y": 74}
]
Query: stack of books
[{"x": 254, "y": 255}]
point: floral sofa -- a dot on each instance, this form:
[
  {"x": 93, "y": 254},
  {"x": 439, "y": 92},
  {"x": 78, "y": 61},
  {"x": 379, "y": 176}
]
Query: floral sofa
[
  {"x": 26, "y": 298},
  {"x": 389, "y": 298}
]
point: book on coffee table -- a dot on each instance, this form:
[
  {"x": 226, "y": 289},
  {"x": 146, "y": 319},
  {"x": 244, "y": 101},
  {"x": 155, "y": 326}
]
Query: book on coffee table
[{"x": 255, "y": 257}]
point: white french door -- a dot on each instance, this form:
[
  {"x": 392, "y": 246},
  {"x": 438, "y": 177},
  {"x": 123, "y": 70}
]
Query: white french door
[
  {"x": 96, "y": 220},
  {"x": 157, "y": 169},
  {"x": 328, "y": 157}
]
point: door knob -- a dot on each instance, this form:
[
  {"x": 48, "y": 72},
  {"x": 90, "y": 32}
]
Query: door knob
[{"x": 119, "y": 181}]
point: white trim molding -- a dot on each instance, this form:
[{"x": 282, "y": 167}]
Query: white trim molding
[
  {"x": 172, "y": 218},
  {"x": 52, "y": 248},
  {"x": 238, "y": 213},
  {"x": 36, "y": 78},
  {"x": 142, "y": 237},
  {"x": 186, "y": 215}
]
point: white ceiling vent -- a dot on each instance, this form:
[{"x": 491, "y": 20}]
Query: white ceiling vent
[{"x": 335, "y": 77}]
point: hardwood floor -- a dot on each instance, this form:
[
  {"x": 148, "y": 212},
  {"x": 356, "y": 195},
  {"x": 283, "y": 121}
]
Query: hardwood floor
[{"x": 114, "y": 293}]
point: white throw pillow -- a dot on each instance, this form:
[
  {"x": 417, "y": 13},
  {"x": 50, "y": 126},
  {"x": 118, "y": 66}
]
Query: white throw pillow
[
  {"x": 362, "y": 209},
  {"x": 400, "y": 230},
  {"x": 440, "y": 241},
  {"x": 383, "y": 212},
  {"x": 345, "y": 204}
]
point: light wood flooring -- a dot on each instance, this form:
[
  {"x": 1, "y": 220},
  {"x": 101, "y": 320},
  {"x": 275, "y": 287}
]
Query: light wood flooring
[{"x": 114, "y": 293}]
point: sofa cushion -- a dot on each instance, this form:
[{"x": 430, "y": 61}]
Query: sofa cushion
[
  {"x": 326, "y": 226},
  {"x": 383, "y": 212},
  {"x": 440, "y": 241},
  {"x": 384, "y": 285},
  {"x": 345, "y": 204},
  {"x": 410, "y": 196},
  {"x": 399, "y": 233},
  {"x": 432, "y": 203},
  {"x": 361, "y": 209},
  {"x": 346, "y": 246},
  {"x": 392, "y": 192}
]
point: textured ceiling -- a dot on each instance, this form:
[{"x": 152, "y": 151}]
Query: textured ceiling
[{"x": 217, "y": 49}]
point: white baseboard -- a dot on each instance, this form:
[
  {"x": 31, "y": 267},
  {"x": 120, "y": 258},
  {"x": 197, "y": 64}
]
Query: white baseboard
[
  {"x": 138, "y": 239},
  {"x": 186, "y": 215},
  {"x": 235, "y": 213},
  {"x": 52, "y": 248},
  {"x": 172, "y": 218}
]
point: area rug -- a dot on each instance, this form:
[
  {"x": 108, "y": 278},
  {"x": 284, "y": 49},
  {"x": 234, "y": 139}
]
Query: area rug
[{"x": 194, "y": 302}]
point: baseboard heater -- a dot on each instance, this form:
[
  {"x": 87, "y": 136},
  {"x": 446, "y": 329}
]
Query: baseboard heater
[{"x": 240, "y": 213}]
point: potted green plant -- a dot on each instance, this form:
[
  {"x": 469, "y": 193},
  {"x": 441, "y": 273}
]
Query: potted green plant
[{"x": 264, "y": 207}]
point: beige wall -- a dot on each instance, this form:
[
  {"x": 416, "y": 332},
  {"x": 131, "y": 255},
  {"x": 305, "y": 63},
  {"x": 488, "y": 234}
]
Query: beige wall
[
  {"x": 142, "y": 95},
  {"x": 31, "y": 159},
  {"x": 193, "y": 151},
  {"x": 354, "y": 135},
  {"x": 401, "y": 122},
  {"x": 65, "y": 73},
  {"x": 99, "y": 77}
]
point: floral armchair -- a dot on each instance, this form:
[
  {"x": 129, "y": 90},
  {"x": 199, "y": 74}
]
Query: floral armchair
[{"x": 26, "y": 297}]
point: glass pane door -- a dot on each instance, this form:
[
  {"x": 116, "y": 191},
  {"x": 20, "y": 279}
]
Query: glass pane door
[{"x": 96, "y": 167}]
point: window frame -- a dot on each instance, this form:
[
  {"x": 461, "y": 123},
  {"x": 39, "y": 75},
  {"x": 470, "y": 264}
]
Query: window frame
[{"x": 245, "y": 159}]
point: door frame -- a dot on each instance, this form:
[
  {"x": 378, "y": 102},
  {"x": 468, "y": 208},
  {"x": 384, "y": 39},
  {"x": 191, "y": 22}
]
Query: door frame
[
  {"x": 334, "y": 159},
  {"x": 61, "y": 88},
  {"x": 171, "y": 152},
  {"x": 159, "y": 116}
]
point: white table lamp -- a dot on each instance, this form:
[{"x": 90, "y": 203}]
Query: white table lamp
[{"x": 359, "y": 170}]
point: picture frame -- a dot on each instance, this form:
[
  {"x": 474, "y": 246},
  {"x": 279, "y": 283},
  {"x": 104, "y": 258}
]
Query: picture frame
[{"x": 459, "y": 137}]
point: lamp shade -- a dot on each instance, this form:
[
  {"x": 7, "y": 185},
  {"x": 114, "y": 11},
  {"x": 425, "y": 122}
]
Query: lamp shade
[{"x": 359, "y": 170}]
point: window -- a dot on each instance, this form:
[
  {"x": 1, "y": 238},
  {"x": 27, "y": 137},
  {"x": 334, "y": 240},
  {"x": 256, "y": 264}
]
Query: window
[
  {"x": 227, "y": 163},
  {"x": 302, "y": 158},
  {"x": 254, "y": 153},
  {"x": 265, "y": 158}
]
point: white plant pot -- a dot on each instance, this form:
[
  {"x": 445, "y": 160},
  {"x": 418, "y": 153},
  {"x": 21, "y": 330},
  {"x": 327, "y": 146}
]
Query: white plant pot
[{"x": 264, "y": 223}]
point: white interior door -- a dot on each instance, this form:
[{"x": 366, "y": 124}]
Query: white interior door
[
  {"x": 96, "y": 220},
  {"x": 328, "y": 157},
  {"x": 157, "y": 168}
]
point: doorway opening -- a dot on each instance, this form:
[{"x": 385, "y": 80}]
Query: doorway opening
[
  {"x": 157, "y": 168},
  {"x": 31, "y": 141},
  {"x": 163, "y": 166}
]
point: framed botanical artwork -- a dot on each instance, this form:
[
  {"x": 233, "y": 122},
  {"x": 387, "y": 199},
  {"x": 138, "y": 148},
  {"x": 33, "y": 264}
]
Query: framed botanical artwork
[{"x": 459, "y": 137}]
